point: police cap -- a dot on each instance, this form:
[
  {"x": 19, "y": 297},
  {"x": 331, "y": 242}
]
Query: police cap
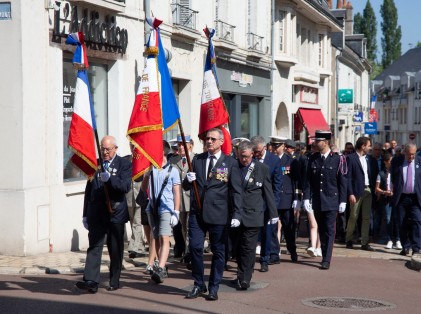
[
  {"x": 236, "y": 141},
  {"x": 290, "y": 143},
  {"x": 322, "y": 135}
]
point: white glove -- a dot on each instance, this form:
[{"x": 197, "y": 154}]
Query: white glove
[
  {"x": 191, "y": 176},
  {"x": 296, "y": 205},
  {"x": 174, "y": 219},
  {"x": 307, "y": 206},
  {"x": 105, "y": 176},
  {"x": 342, "y": 207},
  {"x": 85, "y": 223},
  {"x": 235, "y": 223},
  {"x": 273, "y": 221}
]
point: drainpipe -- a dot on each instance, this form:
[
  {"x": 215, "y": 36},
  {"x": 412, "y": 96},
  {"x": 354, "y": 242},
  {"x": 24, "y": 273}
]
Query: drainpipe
[
  {"x": 147, "y": 8},
  {"x": 336, "y": 100},
  {"x": 272, "y": 71}
]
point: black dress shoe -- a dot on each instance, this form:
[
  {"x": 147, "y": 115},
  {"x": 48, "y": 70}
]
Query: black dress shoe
[
  {"x": 196, "y": 291},
  {"x": 244, "y": 285},
  {"x": 294, "y": 257},
  {"x": 404, "y": 252},
  {"x": 275, "y": 260},
  {"x": 349, "y": 245},
  {"x": 367, "y": 247},
  {"x": 325, "y": 265},
  {"x": 90, "y": 286},
  {"x": 112, "y": 288},
  {"x": 212, "y": 296},
  {"x": 264, "y": 268}
]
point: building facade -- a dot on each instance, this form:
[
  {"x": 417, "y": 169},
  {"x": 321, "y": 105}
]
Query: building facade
[{"x": 274, "y": 65}]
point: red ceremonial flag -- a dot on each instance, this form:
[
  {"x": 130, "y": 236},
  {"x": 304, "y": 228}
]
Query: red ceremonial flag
[
  {"x": 213, "y": 113},
  {"x": 81, "y": 135},
  {"x": 145, "y": 126}
]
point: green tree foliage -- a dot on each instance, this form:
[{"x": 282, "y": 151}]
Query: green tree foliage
[
  {"x": 392, "y": 33},
  {"x": 419, "y": 44},
  {"x": 376, "y": 70},
  {"x": 366, "y": 24},
  {"x": 358, "y": 24}
]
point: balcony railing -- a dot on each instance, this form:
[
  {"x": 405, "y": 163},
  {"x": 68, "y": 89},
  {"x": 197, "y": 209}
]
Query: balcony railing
[
  {"x": 224, "y": 30},
  {"x": 184, "y": 16},
  {"x": 254, "y": 41}
]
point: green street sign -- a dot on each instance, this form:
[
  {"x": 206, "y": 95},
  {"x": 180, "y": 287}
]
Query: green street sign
[{"x": 345, "y": 96}]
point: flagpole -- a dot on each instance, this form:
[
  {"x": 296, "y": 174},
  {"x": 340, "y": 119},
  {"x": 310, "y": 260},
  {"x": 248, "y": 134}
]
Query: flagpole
[
  {"x": 107, "y": 195},
  {"x": 196, "y": 191}
]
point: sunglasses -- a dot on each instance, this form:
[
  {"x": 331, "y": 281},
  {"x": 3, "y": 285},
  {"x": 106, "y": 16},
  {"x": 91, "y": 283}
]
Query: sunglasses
[{"x": 213, "y": 139}]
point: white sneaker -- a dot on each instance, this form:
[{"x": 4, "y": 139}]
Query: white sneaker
[
  {"x": 389, "y": 245},
  {"x": 311, "y": 251},
  {"x": 319, "y": 252},
  {"x": 258, "y": 249},
  {"x": 398, "y": 245}
]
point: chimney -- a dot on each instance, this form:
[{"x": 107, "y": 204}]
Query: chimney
[
  {"x": 339, "y": 4},
  {"x": 329, "y": 4},
  {"x": 349, "y": 19},
  {"x": 344, "y": 5}
]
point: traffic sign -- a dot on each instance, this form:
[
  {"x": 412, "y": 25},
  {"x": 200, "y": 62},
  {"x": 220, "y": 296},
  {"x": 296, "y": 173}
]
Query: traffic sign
[{"x": 412, "y": 136}]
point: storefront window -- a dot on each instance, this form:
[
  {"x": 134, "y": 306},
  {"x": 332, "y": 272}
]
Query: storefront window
[
  {"x": 249, "y": 116},
  {"x": 98, "y": 81}
]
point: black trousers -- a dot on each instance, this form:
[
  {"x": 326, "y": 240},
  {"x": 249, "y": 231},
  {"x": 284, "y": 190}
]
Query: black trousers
[
  {"x": 246, "y": 254},
  {"x": 288, "y": 226},
  {"x": 326, "y": 224},
  {"x": 410, "y": 222},
  {"x": 115, "y": 245}
]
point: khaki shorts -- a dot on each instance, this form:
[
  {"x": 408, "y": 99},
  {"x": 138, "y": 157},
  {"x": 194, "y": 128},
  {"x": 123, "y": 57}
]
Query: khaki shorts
[{"x": 160, "y": 224}]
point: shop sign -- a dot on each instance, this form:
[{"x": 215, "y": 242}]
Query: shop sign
[
  {"x": 101, "y": 32},
  {"x": 370, "y": 128},
  {"x": 308, "y": 95},
  {"x": 358, "y": 116},
  {"x": 5, "y": 11},
  {"x": 242, "y": 79},
  {"x": 345, "y": 96}
]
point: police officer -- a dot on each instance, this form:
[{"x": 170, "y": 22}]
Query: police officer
[
  {"x": 326, "y": 185},
  {"x": 289, "y": 198}
]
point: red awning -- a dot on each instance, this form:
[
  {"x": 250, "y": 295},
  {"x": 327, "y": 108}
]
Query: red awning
[{"x": 313, "y": 120}]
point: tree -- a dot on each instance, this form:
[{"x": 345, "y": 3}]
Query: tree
[
  {"x": 419, "y": 44},
  {"x": 358, "y": 24},
  {"x": 392, "y": 33},
  {"x": 366, "y": 24}
]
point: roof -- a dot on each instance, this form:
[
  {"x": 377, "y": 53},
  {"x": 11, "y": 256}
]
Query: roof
[{"x": 408, "y": 62}]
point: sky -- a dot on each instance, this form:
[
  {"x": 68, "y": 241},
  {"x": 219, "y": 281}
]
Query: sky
[{"x": 408, "y": 18}]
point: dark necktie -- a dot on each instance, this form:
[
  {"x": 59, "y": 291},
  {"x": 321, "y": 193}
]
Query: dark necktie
[
  {"x": 211, "y": 158},
  {"x": 106, "y": 165},
  {"x": 183, "y": 161},
  {"x": 323, "y": 158}
]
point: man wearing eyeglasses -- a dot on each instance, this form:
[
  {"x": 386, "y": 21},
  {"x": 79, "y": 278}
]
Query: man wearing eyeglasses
[
  {"x": 219, "y": 186},
  {"x": 115, "y": 175}
]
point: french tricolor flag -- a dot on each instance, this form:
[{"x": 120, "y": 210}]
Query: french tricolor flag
[
  {"x": 81, "y": 136},
  {"x": 213, "y": 113}
]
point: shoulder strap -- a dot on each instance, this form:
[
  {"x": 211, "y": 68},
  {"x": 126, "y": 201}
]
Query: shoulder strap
[
  {"x": 246, "y": 179},
  {"x": 164, "y": 184}
]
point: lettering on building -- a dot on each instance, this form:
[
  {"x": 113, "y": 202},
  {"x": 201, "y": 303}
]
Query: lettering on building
[
  {"x": 308, "y": 95},
  {"x": 101, "y": 32},
  {"x": 242, "y": 78}
]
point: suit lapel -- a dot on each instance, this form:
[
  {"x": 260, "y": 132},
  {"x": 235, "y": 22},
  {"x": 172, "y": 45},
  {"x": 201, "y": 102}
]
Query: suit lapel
[{"x": 357, "y": 157}]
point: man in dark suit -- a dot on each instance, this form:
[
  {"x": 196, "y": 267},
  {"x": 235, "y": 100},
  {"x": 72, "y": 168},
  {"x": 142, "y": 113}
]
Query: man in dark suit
[
  {"x": 258, "y": 204},
  {"x": 326, "y": 185},
  {"x": 116, "y": 176},
  {"x": 359, "y": 192},
  {"x": 290, "y": 193},
  {"x": 219, "y": 186},
  {"x": 376, "y": 165},
  {"x": 269, "y": 252},
  {"x": 406, "y": 178}
]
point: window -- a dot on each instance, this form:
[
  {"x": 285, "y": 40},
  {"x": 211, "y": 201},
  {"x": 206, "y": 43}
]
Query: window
[
  {"x": 249, "y": 116},
  {"x": 98, "y": 81},
  {"x": 281, "y": 21}
]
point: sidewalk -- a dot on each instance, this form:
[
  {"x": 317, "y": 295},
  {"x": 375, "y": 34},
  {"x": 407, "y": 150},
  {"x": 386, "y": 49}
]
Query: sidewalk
[{"x": 74, "y": 262}]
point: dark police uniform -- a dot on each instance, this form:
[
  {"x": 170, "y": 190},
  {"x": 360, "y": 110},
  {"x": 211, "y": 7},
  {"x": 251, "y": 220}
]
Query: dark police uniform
[{"x": 326, "y": 185}]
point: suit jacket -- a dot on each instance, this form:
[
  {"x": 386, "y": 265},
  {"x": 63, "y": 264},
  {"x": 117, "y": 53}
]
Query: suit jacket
[
  {"x": 326, "y": 186},
  {"x": 221, "y": 193},
  {"x": 290, "y": 176},
  {"x": 95, "y": 208},
  {"x": 274, "y": 165},
  {"x": 355, "y": 176},
  {"x": 398, "y": 181},
  {"x": 185, "y": 195},
  {"x": 374, "y": 171},
  {"x": 258, "y": 197}
]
